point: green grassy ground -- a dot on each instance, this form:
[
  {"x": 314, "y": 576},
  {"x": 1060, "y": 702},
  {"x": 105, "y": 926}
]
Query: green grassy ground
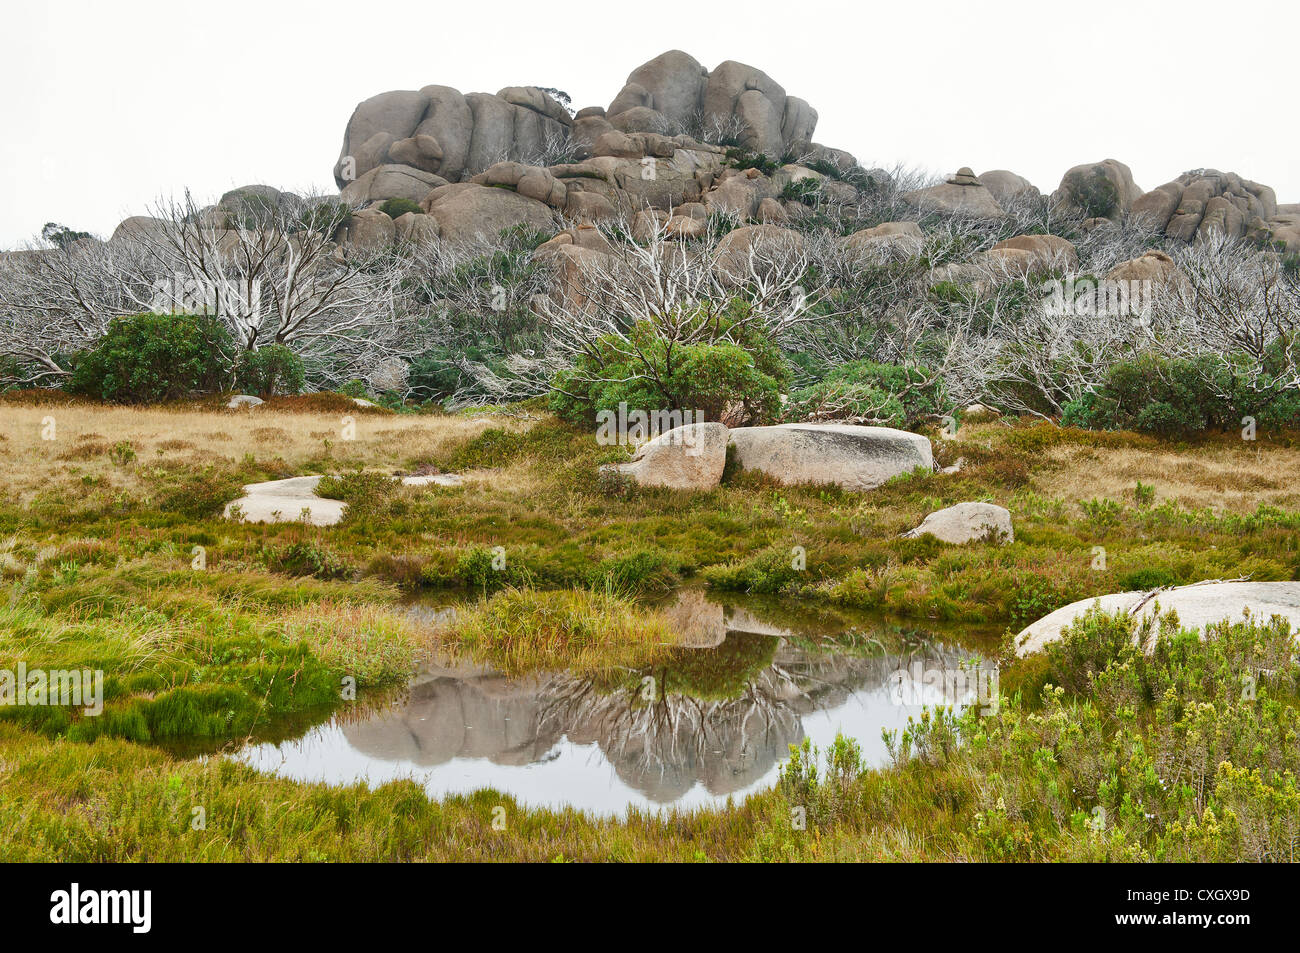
[{"x": 99, "y": 554}]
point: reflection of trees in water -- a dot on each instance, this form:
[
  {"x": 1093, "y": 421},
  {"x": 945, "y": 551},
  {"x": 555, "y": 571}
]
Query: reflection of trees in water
[{"x": 660, "y": 739}]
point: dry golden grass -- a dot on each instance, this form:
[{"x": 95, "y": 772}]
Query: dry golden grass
[
  {"x": 1230, "y": 476},
  {"x": 85, "y": 436}
]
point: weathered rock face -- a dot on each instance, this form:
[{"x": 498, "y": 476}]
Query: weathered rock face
[
  {"x": 438, "y": 130},
  {"x": 752, "y": 248},
  {"x": 856, "y": 458},
  {"x": 962, "y": 194},
  {"x": 391, "y": 181},
  {"x": 674, "y": 93},
  {"x": 1284, "y": 227},
  {"x": 1098, "y": 189},
  {"x": 137, "y": 227},
  {"x": 672, "y": 84},
  {"x": 905, "y": 237},
  {"x": 685, "y": 458},
  {"x": 1154, "y": 266},
  {"x": 416, "y": 228},
  {"x": 1007, "y": 186},
  {"x": 1037, "y": 253},
  {"x": 1197, "y": 606},
  {"x": 466, "y": 210},
  {"x": 967, "y": 522},
  {"x": 369, "y": 228},
  {"x": 1199, "y": 203}
]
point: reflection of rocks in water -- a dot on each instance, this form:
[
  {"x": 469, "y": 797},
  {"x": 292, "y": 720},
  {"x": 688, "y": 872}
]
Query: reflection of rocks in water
[
  {"x": 699, "y": 621},
  {"x": 694, "y": 724},
  {"x": 702, "y": 623},
  {"x": 461, "y": 712}
]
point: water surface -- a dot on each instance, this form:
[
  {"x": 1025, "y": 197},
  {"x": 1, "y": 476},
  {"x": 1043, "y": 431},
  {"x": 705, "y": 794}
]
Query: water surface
[{"x": 715, "y": 722}]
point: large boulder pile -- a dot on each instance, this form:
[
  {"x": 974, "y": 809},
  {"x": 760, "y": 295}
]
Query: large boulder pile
[
  {"x": 674, "y": 93},
  {"x": 442, "y": 131},
  {"x": 1198, "y": 203},
  {"x": 403, "y": 143}
]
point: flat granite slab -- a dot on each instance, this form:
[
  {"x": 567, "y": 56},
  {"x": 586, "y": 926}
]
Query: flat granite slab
[{"x": 1197, "y": 605}]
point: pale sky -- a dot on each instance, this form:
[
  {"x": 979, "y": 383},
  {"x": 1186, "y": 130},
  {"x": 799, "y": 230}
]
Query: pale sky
[{"x": 107, "y": 106}]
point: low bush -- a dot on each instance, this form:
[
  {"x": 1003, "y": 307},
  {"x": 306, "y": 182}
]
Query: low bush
[
  {"x": 269, "y": 371},
  {"x": 147, "y": 358},
  {"x": 863, "y": 391},
  {"x": 396, "y": 208},
  {"x": 1176, "y": 397}
]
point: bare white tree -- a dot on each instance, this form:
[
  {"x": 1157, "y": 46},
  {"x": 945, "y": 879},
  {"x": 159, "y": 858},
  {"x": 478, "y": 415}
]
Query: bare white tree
[
  {"x": 639, "y": 302},
  {"x": 55, "y": 301},
  {"x": 271, "y": 271}
]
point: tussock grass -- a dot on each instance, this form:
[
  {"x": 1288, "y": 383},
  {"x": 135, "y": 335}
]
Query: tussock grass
[
  {"x": 78, "y": 460},
  {"x": 374, "y": 644},
  {"x": 587, "y": 632}
]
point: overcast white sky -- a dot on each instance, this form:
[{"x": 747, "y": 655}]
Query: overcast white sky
[{"x": 108, "y": 105}]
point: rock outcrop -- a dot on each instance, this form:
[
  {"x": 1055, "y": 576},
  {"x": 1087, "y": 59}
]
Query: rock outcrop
[
  {"x": 674, "y": 93},
  {"x": 441, "y": 131},
  {"x": 1197, "y": 605},
  {"x": 1027, "y": 254},
  {"x": 1097, "y": 190},
  {"x": 1154, "y": 266},
  {"x": 467, "y": 210},
  {"x": 1007, "y": 187},
  {"x": 286, "y": 501},
  {"x": 967, "y": 522},
  {"x": 961, "y": 194},
  {"x": 1205, "y": 201},
  {"x": 905, "y": 237},
  {"x": 684, "y": 458},
  {"x": 856, "y": 458}
]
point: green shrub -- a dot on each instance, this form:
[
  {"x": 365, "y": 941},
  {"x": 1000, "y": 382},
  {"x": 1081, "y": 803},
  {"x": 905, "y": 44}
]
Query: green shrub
[
  {"x": 768, "y": 572},
  {"x": 147, "y": 358},
  {"x": 1181, "y": 397},
  {"x": 1095, "y": 194},
  {"x": 326, "y": 217},
  {"x": 355, "y": 388},
  {"x": 269, "y": 371},
  {"x": 365, "y": 492},
  {"x": 743, "y": 159},
  {"x": 805, "y": 191},
  {"x": 307, "y": 559},
  {"x": 1088, "y": 646},
  {"x": 741, "y": 383},
  {"x": 887, "y": 394},
  {"x": 396, "y": 208}
]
